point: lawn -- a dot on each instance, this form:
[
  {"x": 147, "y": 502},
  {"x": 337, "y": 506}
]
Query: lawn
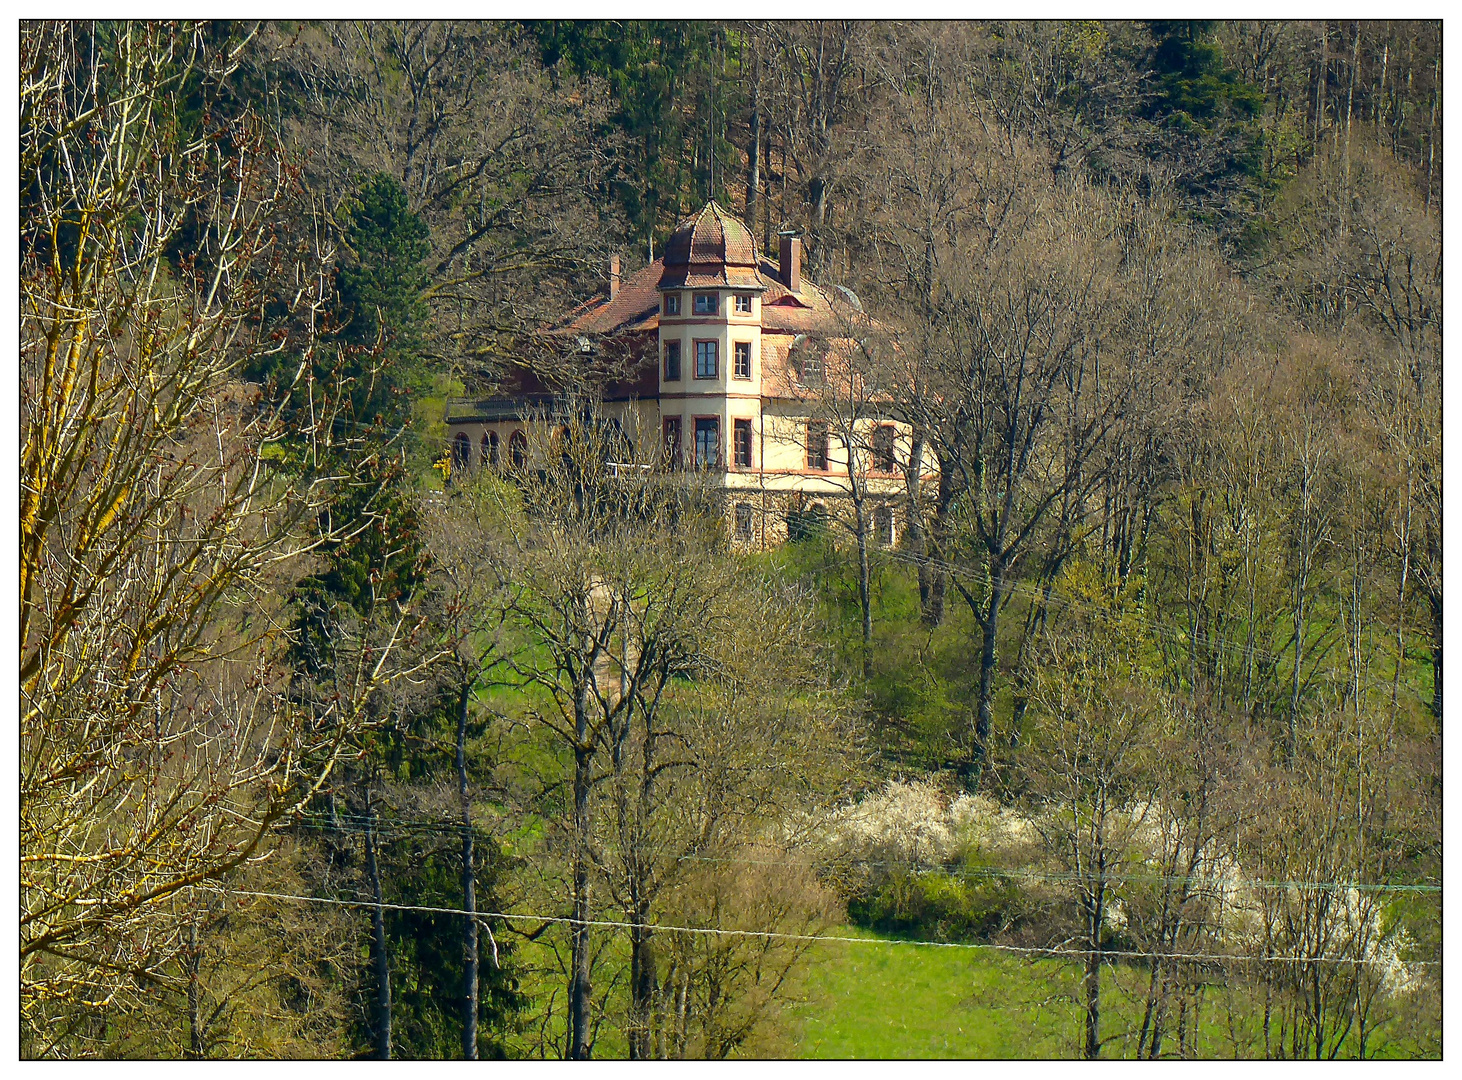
[
  {"x": 899, "y": 1000},
  {"x": 915, "y": 1001}
]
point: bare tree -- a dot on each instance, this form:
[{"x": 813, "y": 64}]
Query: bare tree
[
  {"x": 158, "y": 517},
  {"x": 1088, "y": 778},
  {"x": 595, "y": 579},
  {"x": 494, "y": 155}
]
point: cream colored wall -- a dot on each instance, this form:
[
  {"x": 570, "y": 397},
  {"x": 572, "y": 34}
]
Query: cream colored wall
[
  {"x": 725, "y": 329},
  {"x": 725, "y": 397},
  {"x": 779, "y": 453},
  {"x": 785, "y": 455},
  {"x": 639, "y": 420},
  {"x": 641, "y": 423}
]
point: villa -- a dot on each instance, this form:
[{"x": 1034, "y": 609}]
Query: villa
[{"x": 737, "y": 366}]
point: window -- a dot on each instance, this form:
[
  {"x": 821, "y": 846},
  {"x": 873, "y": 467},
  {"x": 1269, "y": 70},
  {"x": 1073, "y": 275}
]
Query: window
[
  {"x": 743, "y": 359},
  {"x": 743, "y": 521},
  {"x": 743, "y": 304},
  {"x": 817, "y": 446},
  {"x": 883, "y": 526},
  {"x": 672, "y": 303},
  {"x": 490, "y": 448},
  {"x": 742, "y": 449},
  {"x": 707, "y": 442},
  {"x": 672, "y": 361},
  {"x": 671, "y": 441},
  {"x": 518, "y": 449},
  {"x": 461, "y": 451},
  {"x": 706, "y": 361},
  {"x": 809, "y": 367},
  {"x": 883, "y": 449},
  {"x": 707, "y": 303}
]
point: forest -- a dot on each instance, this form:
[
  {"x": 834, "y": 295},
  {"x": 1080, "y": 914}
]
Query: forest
[{"x": 328, "y": 749}]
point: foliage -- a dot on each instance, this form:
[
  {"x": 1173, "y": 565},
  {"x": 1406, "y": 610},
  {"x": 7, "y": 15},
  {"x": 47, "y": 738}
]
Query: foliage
[
  {"x": 159, "y": 745},
  {"x": 937, "y": 906},
  {"x": 1160, "y": 306},
  {"x": 379, "y": 293}
]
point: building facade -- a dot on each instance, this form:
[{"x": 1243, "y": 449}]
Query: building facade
[{"x": 734, "y": 365}]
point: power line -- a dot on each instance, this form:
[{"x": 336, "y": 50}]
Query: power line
[
  {"x": 1138, "y": 879},
  {"x": 780, "y": 936},
  {"x": 359, "y": 823}
]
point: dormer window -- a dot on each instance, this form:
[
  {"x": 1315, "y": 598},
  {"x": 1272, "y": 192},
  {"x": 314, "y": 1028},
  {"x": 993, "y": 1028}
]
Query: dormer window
[
  {"x": 707, "y": 303},
  {"x": 672, "y": 303},
  {"x": 743, "y": 303}
]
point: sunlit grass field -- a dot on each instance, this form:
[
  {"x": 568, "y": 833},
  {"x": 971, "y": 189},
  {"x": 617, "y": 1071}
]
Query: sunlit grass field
[
  {"x": 907, "y": 1001},
  {"x": 918, "y": 1001}
]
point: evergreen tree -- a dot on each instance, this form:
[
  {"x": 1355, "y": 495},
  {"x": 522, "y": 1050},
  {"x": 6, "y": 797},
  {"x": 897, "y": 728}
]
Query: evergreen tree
[
  {"x": 677, "y": 91},
  {"x": 380, "y": 309}
]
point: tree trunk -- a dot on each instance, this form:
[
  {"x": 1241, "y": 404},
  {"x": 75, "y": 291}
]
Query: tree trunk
[
  {"x": 915, "y": 526},
  {"x": 934, "y": 564},
  {"x": 1320, "y": 81},
  {"x": 766, "y": 196},
  {"x": 753, "y": 149},
  {"x": 1094, "y": 997},
  {"x": 1294, "y": 693},
  {"x": 1431, "y": 139},
  {"x": 1349, "y": 108},
  {"x": 579, "y": 986},
  {"x": 1095, "y": 914},
  {"x": 643, "y": 985},
  {"x": 644, "y": 974},
  {"x": 1436, "y": 606},
  {"x": 195, "y": 1022},
  {"x": 469, "y": 887},
  {"x": 1301, "y": 583},
  {"x": 864, "y": 585},
  {"x": 983, "y": 707},
  {"x": 380, "y": 960}
]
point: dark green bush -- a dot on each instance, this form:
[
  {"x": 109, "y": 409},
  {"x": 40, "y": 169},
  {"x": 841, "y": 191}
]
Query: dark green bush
[{"x": 937, "y": 905}]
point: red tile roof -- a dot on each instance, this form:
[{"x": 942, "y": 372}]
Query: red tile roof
[
  {"x": 637, "y": 307},
  {"x": 711, "y": 237},
  {"x": 709, "y": 249}
]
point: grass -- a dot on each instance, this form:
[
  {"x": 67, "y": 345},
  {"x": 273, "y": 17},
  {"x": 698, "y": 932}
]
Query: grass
[
  {"x": 918, "y": 1001},
  {"x": 905, "y": 1001}
]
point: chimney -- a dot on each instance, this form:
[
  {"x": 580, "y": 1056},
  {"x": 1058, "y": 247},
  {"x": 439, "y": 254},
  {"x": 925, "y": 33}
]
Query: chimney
[
  {"x": 791, "y": 260},
  {"x": 613, "y": 276}
]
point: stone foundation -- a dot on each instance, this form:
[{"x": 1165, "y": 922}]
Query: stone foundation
[{"x": 762, "y": 520}]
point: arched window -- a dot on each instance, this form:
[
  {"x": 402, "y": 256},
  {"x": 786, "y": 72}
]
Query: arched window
[
  {"x": 490, "y": 448},
  {"x": 518, "y": 449},
  {"x": 461, "y": 451}
]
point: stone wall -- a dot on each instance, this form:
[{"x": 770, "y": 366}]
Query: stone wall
[{"x": 770, "y": 516}]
